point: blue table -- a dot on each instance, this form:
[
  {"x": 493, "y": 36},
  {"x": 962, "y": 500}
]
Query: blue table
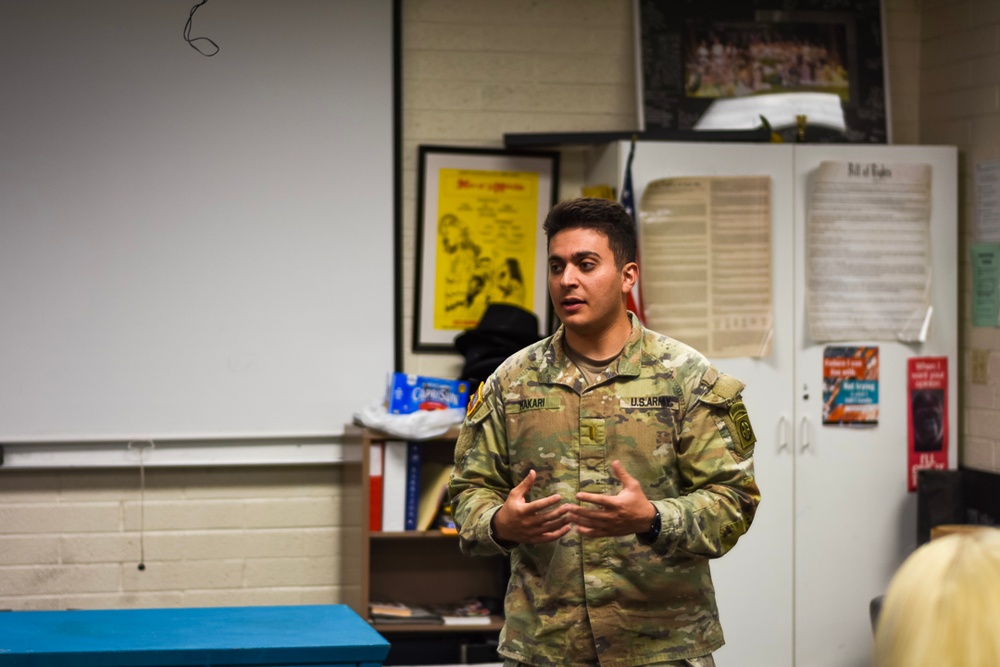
[{"x": 310, "y": 635}]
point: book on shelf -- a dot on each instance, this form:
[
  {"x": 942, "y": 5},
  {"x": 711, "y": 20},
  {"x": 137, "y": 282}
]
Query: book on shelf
[
  {"x": 433, "y": 489},
  {"x": 394, "y": 485},
  {"x": 413, "y": 461},
  {"x": 383, "y": 611},
  {"x": 466, "y": 620},
  {"x": 413, "y": 490},
  {"x": 470, "y": 611},
  {"x": 387, "y": 608},
  {"x": 466, "y": 612},
  {"x": 375, "y": 487}
]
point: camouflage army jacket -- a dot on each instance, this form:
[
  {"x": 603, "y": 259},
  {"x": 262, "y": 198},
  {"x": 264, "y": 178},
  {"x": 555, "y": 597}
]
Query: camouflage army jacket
[{"x": 679, "y": 427}]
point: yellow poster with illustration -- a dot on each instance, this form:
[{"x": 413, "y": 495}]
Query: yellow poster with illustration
[{"x": 485, "y": 243}]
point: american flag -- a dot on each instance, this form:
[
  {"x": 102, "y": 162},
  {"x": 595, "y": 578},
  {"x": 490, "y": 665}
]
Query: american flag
[{"x": 628, "y": 201}]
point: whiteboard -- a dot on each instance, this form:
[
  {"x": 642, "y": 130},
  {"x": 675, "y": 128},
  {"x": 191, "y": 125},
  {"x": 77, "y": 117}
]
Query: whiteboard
[{"x": 194, "y": 247}]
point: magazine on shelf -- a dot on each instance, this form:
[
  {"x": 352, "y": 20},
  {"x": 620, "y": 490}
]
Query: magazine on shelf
[
  {"x": 466, "y": 612},
  {"x": 383, "y": 611}
]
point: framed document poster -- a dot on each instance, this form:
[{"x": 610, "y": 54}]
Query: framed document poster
[
  {"x": 729, "y": 65},
  {"x": 479, "y": 238}
]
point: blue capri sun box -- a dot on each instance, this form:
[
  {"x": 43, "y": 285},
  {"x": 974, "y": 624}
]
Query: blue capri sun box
[{"x": 408, "y": 393}]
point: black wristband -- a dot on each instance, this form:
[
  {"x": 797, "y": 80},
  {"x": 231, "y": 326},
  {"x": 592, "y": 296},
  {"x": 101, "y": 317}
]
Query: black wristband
[{"x": 649, "y": 537}]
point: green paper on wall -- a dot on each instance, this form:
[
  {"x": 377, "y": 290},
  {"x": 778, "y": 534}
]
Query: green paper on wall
[{"x": 985, "y": 284}]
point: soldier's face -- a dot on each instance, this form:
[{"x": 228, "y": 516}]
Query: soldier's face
[{"x": 587, "y": 289}]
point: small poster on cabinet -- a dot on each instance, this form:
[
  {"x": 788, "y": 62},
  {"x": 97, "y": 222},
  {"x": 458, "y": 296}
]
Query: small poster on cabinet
[
  {"x": 850, "y": 385},
  {"x": 927, "y": 385}
]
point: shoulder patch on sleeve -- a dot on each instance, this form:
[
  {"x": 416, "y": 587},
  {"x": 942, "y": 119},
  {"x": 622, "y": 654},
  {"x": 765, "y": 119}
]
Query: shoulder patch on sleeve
[
  {"x": 721, "y": 389},
  {"x": 742, "y": 430},
  {"x": 474, "y": 400},
  {"x": 479, "y": 408},
  {"x": 725, "y": 394},
  {"x": 727, "y": 387}
]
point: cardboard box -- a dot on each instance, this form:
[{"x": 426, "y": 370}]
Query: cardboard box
[{"x": 408, "y": 393}]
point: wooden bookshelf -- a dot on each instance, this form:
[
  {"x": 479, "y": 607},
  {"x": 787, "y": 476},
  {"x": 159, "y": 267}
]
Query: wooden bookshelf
[
  {"x": 412, "y": 535},
  {"x": 394, "y": 628},
  {"x": 423, "y": 568}
]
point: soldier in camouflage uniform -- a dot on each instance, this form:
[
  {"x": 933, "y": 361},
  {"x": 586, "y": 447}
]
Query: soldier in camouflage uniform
[{"x": 610, "y": 463}]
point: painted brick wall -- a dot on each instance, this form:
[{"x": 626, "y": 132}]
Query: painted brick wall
[
  {"x": 960, "y": 105},
  {"x": 214, "y": 536}
]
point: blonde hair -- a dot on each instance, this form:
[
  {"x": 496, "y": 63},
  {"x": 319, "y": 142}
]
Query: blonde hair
[{"x": 942, "y": 607}]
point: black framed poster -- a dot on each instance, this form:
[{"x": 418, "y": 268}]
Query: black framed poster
[
  {"x": 741, "y": 64},
  {"x": 479, "y": 237}
]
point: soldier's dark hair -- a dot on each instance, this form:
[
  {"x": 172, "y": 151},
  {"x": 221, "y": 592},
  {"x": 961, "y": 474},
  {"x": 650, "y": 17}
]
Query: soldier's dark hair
[{"x": 603, "y": 215}]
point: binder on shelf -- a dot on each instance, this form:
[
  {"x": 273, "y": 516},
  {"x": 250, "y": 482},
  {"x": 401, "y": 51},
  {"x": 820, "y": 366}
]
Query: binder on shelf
[
  {"x": 394, "y": 465},
  {"x": 375, "y": 487},
  {"x": 413, "y": 461}
]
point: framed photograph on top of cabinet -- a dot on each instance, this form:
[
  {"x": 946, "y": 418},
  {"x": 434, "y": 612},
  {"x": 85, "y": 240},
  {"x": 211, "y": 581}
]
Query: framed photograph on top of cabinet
[
  {"x": 479, "y": 237},
  {"x": 730, "y": 65}
]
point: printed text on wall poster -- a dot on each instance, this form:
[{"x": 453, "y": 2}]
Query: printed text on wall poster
[
  {"x": 868, "y": 252},
  {"x": 705, "y": 243}
]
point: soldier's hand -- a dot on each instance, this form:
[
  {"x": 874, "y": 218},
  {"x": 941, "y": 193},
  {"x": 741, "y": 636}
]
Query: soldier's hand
[
  {"x": 627, "y": 513},
  {"x": 518, "y": 520}
]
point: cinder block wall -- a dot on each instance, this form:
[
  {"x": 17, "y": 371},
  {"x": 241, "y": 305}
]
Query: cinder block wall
[
  {"x": 207, "y": 537},
  {"x": 960, "y": 105},
  {"x": 218, "y": 536}
]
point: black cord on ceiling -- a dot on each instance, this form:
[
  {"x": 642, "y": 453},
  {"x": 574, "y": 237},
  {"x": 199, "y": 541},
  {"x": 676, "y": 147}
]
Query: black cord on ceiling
[{"x": 192, "y": 42}]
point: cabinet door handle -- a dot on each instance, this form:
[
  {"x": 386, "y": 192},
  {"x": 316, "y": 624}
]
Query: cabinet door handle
[
  {"x": 782, "y": 433},
  {"x": 804, "y": 434}
]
